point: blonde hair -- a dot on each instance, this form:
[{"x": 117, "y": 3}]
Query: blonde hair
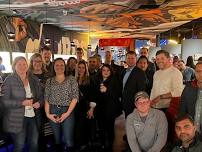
[
  {"x": 85, "y": 78},
  {"x": 16, "y": 61},
  {"x": 34, "y": 56}
]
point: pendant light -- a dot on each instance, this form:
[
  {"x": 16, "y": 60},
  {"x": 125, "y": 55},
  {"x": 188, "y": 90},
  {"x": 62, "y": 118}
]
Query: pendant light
[
  {"x": 89, "y": 45},
  {"x": 71, "y": 36},
  {"x": 47, "y": 41},
  {"x": 10, "y": 35}
]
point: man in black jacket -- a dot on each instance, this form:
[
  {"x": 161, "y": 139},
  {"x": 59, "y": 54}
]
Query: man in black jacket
[
  {"x": 185, "y": 129},
  {"x": 134, "y": 80}
]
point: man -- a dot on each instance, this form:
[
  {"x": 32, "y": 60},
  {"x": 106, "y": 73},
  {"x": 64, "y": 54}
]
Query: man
[
  {"x": 134, "y": 80},
  {"x": 167, "y": 82},
  {"x": 143, "y": 64},
  {"x": 191, "y": 99},
  {"x": 151, "y": 66},
  {"x": 79, "y": 54},
  {"x": 185, "y": 129},
  {"x": 92, "y": 64},
  {"x": 146, "y": 127},
  {"x": 187, "y": 72},
  {"x": 46, "y": 55}
]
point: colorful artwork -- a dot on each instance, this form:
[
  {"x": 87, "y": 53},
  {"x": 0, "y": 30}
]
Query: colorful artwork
[{"x": 108, "y": 18}]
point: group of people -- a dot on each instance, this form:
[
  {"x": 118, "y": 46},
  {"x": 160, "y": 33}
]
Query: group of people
[{"x": 78, "y": 97}]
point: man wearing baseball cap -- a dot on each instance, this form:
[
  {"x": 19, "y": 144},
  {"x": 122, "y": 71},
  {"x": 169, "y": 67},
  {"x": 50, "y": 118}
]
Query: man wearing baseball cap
[{"x": 146, "y": 128}]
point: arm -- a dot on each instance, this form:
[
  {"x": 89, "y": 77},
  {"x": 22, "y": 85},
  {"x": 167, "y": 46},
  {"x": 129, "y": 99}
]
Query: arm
[
  {"x": 162, "y": 130},
  {"x": 131, "y": 135},
  {"x": 177, "y": 84},
  {"x": 7, "y": 99}
]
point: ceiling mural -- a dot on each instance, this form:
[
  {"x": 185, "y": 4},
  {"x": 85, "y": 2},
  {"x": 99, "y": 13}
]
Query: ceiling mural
[{"x": 107, "y": 18}]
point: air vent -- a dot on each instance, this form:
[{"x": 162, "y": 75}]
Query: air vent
[{"x": 149, "y": 6}]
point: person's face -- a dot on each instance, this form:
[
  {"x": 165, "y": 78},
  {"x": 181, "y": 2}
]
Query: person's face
[
  {"x": 79, "y": 55},
  {"x": 105, "y": 72},
  {"x": 59, "y": 67},
  {"x": 108, "y": 56},
  {"x": 21, "y": 67},
  {"x": 131, "y": 60},
  {"x": 81, "y": 69},
  {"x": 72, "y": 64},
  {"x": 181, "y": 66},
  {"x": 198, "y": 72},
  {"x": 144, "y": 52},
  {"x": 46, "y": 54},
  {"x": 162, "y": 61},
  {"x": 142, "y": 64},
  {"x": 92, "y": 63},
  {"x": 37, "y": 63},
  {"x": 143, "y": 105},
  {"x": 185, "y": 130}
]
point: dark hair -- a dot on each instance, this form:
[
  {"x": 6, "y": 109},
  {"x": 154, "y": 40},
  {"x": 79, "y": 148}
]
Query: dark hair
[
  {"x": 79, "y": 49},
  {"x": 181, "y": 61},
  {"x": 184, "y": 117},
  {"x": 142, "y": 57},
  {"x": 190, "y": 62},
  {"x": 0, "y": 58},
  {"x": 109, "y": 67},
  {"x": 45, "y": 48},
  {"x": 163, "y": 52},
  {"x": 131, "y": 53},
  {"x": 199, "y": 62},
  {"x": 200, "y": 58},
  {"x": 61, "y": 59}
]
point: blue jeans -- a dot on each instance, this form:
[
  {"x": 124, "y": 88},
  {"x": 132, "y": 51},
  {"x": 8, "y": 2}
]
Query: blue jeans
[
  {"x": 66, "y": 128},
  {"x": 29, "y": 132}
]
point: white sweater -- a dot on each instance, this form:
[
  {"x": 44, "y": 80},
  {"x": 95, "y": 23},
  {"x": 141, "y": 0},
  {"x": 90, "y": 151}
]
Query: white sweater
[{"x": 165, "y": 81}]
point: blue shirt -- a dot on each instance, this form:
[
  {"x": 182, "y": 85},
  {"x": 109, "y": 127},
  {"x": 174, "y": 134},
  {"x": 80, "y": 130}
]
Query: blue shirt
[{"x": 127, "y": 74}]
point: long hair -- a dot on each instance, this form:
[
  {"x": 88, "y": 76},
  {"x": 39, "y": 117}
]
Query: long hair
[
  {"x": 34, "y": 56},
  {"x": 190, "y": 62},
  {"x": 59, "y": 59},
  {"x": 85, "y": 79},
  {"x": 110, "y": 69}
]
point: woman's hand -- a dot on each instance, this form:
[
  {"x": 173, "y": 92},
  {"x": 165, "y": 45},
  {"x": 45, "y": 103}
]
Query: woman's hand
[
  {"x": 90, "y": 113},
  {"x": 27, "y": 102},
  {"x": 103, "y": 88},
  {"x": 63, "y": 117},
  {"x": 52, "y": 117},
  {"x": 36, "y": 105}
]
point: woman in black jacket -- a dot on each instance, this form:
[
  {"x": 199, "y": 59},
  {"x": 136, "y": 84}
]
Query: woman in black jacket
[
  {"x": 22, "y": 99},
  {"x": 108, "y": 105}
]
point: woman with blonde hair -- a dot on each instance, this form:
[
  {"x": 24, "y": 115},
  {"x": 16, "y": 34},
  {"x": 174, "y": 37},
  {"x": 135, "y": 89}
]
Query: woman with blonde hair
[{"x": 22, "y": 99}]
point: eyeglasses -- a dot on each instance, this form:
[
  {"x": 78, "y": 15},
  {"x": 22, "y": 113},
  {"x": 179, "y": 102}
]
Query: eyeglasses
[{"x": 37, "y": 61}]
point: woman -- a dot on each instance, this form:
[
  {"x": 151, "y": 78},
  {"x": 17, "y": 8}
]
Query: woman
[
  {"x": 108, "y": 105},
  {"x": 22, "y": 99},
  {"x": 61, "y": 96},
  {"x": 190, "y": 62},
  {"x": 82, "y": 125},
  {"x": 37, "y": 68}
]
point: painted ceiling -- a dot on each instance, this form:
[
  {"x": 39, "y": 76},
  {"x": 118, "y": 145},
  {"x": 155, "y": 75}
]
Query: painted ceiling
[{"x": 107, "y": 18}]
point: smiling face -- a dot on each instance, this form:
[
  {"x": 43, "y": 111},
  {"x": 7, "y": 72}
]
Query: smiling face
[
  {"x": 142, "y": 64},
  {"x": 46, "y": 54},
  {"x": 21, "y": 67},
  {"x": 143, "y": 105},
  {"x": 105, "y": 72},
  {"x": 162, "y": 61},
  {"x": 185, "y": 130},
  {"x": 37, "y": 63},
  {"x": 81, "y": 69},
  {"x": 59, "y": 67},
  {"x": 131, "y": 60}
]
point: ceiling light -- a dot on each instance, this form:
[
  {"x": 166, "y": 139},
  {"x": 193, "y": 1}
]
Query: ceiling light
[
  {"x": 172, "y": 41},
  {"x": 47, "y": 41},
  {"x": 72, "y": 44}
]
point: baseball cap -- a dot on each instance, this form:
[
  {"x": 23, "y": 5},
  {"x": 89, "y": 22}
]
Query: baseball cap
[{"x": 141, "y": 94}]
